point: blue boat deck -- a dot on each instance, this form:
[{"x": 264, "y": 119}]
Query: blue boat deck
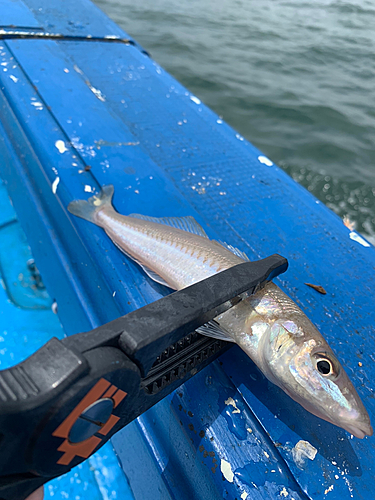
[{"x": 79, "y": 114}]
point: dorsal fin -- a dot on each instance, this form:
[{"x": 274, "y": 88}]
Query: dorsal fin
[
  {"x": 188, "y": 223},
  {"x": 235, "y": 250}
]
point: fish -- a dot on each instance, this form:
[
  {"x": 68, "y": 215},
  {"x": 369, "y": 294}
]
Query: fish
[{"x": 268, "y": 325}]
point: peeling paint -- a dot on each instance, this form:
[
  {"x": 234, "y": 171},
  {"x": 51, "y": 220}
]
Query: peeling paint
[
  {"x": 82, "y": 148},
  {"x": 78, "y": 70},
  {"x": 244, "y": 495},
  {"x": 356, "y": 237},
  {"x": 195, "y": 99},
  {"x": 265, "y": 161},
  {"x": 231, "y": 402},
  {"x": 350, "y": 487},
  {"x": 61, "y": 146},
  {"x": 55, "y": 184},
  {"x": 101, "y": 143},
  {"x": 13, "y": 78},
  {"x": 98, "y": 93},
  {"x": 89, "y": 189},
  {"x": 38, "y": 105},
  {"x": 226, "y": 470},
  {"x": 284, "y": 492},
  {"x": 328, "y": 489}
]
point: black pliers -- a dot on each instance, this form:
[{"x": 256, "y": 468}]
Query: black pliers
[{"x": 65, "y": 401}]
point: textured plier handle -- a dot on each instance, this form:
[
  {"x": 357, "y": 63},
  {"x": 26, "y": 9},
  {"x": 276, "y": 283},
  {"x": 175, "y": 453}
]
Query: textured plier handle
[{"x": 65, "y": 401}]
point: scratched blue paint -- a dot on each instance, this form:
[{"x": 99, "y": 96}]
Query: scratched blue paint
[{"x": 168, "y": 154}]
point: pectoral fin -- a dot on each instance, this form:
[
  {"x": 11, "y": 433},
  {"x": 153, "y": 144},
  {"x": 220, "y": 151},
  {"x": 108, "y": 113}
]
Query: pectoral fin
[{"x": 214, "y": 330}]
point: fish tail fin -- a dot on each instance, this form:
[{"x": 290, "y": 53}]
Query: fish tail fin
[{"x": 86, "y": 209}]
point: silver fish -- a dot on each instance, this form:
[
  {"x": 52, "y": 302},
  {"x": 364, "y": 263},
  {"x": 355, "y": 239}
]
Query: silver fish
[{"x": 268, "y": 325}]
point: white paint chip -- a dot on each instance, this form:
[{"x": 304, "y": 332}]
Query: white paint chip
[
  {"x": 284, "y": 492},
  {"x": 55, "y": 184},
  {"x": 38, "y": 105},
  {"x": 66, "y": 70},
  {"x": 195, "y": 99},
  {"x": 13, "y": 78},
  {"x": 98, "y": 93},
  {"x": 61, "y": 146},
  {"x": 265, "y": 161},
  {"x": 356, "y": 237},
  {"x": 231, "y": 402},
  {"x": 78, "y": 70},
  {"x": 226, "y": 470},
  {"x": 303, "y": 450},
  {"x": 244, "y": 495},
  {"x": 89, "y": 189},
  {"x": 328, "y": 489}
]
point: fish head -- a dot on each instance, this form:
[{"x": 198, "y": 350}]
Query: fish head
[{"x": 300, "y": 362}]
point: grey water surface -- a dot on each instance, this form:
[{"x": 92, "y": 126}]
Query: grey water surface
[{"x": 295, "y": 77}]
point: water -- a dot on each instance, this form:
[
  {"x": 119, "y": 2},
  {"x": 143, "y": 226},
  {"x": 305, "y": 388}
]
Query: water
[{"x": 295, "y": 78}]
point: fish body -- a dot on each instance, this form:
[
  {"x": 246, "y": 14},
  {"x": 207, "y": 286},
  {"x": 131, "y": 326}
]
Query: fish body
[
  {"x": 268, "y": 325},
  {"x": 160, "y": 247}
]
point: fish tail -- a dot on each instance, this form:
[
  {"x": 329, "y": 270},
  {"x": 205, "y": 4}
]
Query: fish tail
[{"x": 86, "y": 209}]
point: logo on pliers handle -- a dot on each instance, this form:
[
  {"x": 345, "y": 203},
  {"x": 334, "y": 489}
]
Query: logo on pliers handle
[{"x": 101, "y": 390}]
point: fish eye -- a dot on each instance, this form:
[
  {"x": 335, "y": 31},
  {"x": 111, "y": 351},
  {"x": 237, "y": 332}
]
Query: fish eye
[{"x": 324, "y": 367}]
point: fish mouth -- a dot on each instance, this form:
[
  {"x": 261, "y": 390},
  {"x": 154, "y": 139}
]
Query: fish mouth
[{"x": 359, "y": 430}]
